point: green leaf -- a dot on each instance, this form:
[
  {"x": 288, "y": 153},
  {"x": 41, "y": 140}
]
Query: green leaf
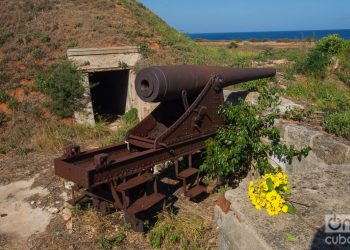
[
  {"x": 291, "y": 208},
  {"x": 288, "y": 191},
  {"x": 269, "y": 184},
  {"x": 291, "y": 237}
]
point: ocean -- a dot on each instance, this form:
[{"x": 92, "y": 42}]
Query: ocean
[{"x": 271, "y": 35}]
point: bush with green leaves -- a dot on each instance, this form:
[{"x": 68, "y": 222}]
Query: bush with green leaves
[
  {"x": 338, "y": 123},
  {"x": 315, "y": 64},
  {"x": 318, "y": 58},
  {"x": 248, "y": 138},
  {"x": 62, "y": 83},
  {"x": 332, "y": 45},
  {"x": 232, "y": 45}
]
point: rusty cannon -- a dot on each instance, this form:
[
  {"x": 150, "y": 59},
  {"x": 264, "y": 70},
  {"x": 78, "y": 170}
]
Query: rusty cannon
[{"x": 121, "y": 176}]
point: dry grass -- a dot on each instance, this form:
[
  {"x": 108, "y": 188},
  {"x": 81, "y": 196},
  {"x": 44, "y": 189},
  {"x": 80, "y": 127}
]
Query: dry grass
[
  {"x": 54, "y": 135},
  {"x": 178, "y": 231}
]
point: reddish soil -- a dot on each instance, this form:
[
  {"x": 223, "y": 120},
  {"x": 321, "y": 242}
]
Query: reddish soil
[
  {"x": 19, "y": 93},
  {"x": 5, "y": 109}
]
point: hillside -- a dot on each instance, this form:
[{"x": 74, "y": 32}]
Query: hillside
[{"x": 37, "y": 33}]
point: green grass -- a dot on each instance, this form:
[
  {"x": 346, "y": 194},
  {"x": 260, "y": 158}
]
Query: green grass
[
  {"x": 328, "y": 95},
  {"x": 338, "y": 123},
  {"x": 110, "y": 242}
]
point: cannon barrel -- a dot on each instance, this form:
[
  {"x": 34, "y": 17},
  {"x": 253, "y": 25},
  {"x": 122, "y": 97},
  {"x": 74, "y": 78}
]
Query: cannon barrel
[{"x": 165, "y": 83}]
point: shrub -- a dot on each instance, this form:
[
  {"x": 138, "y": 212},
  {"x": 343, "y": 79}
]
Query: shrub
[
  {"x": 232, "y": 45},
  {"x": 338, "y": 123},
  {"x": 62, "y": 83},
  {"x": 238, "y": 146},
  {"x": 315, "y": 64},
  {"x": 332, "y": 45}
]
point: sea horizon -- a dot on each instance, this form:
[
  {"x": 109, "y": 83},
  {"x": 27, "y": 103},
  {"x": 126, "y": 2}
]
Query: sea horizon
[{"x": 270, "y": 35}]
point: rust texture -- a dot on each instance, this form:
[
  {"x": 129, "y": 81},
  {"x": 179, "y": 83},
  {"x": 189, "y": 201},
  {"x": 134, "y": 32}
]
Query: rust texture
[{"x": 121, "y": 176}]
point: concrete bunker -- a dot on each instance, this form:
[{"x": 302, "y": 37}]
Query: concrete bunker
[
  {"x": 109, "y": 81},
  {"x": 108, "y": 90}
]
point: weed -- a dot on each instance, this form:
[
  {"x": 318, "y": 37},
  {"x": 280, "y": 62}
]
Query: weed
[
  {"x": 4, "y": 97},
  {"x": 222, "y": 189},
  {"x": 172, "y": 231},
  {"x": 122, "y": 65},
  {"x": 4, "y": 36},
  {"x": 127, "y": 226},
  {"x": 128, "y": 120},
  {"x": 22, "y": 150},
  {"x": 338, "y": 123},
  {"x": 144, "y": 49},
  {"x": 109, "y": 243},
  {"x": 100, "y": 17},
  {"x": 13, "y": 103},
  {"x": 78, "y": 25},
  {"x": 298, "y": 114},
  {"x": 3, "y": 77},
  {"x": 45, "y": 38},
  {"x": 62, "y": 83},
  {"x": 72, "y": 43},
  {"x": 38, "y": 53},
  {"x": 3, "y": 118}
]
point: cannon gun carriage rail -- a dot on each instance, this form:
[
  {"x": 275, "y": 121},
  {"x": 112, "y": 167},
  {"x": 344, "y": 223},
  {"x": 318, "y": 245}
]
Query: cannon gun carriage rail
[{"x": 121, "y": 176}]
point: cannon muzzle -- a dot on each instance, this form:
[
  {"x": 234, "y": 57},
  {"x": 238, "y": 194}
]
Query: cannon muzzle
[{"x": 165, "y": 83}]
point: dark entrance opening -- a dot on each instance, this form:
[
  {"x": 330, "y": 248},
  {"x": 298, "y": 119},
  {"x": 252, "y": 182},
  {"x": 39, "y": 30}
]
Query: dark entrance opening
[{"x": 108, "y": 93}]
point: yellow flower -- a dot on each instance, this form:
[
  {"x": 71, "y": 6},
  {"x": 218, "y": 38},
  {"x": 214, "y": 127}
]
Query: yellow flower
[{"x": 285, "y": 209}]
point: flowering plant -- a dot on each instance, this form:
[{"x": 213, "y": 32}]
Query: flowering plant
[{"x": 269, "y": 191}]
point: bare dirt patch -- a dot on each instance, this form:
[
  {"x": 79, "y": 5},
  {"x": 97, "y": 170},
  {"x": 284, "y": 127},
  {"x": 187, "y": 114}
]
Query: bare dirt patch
[{"x": 18, "y": 219}]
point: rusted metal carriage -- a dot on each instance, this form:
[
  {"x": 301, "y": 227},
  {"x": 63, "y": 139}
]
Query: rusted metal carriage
[{"x": 121, "y": 176}]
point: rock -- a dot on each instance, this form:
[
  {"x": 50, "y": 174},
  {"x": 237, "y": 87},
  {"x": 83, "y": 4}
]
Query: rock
[
  {"x": 287, "y": 104},
  {"x": 69, "y": 226},
  {"x": 32, "y": 202},
  {"x": 68, "y": 185},
  {"x": 53, "y": 210},
  {"x": 66, "y": 214},
  {"x": 280, "y": 61}
]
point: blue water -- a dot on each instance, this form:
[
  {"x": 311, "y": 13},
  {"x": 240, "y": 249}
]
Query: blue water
[{"x": 271, "y": 35}]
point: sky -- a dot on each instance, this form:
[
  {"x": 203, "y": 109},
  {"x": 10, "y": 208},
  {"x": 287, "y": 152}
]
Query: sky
[{"x": 206, "y": 16}]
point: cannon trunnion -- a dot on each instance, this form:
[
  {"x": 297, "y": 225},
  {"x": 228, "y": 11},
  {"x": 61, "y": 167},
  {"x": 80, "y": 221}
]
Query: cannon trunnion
[{"x": 121, "y": 176}]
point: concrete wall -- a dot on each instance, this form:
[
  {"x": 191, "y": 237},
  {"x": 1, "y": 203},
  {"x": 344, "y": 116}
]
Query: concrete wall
[{"x": 91, "y": 60}]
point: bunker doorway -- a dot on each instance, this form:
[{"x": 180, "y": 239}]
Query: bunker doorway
[{"x": 108, "y": 94}]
